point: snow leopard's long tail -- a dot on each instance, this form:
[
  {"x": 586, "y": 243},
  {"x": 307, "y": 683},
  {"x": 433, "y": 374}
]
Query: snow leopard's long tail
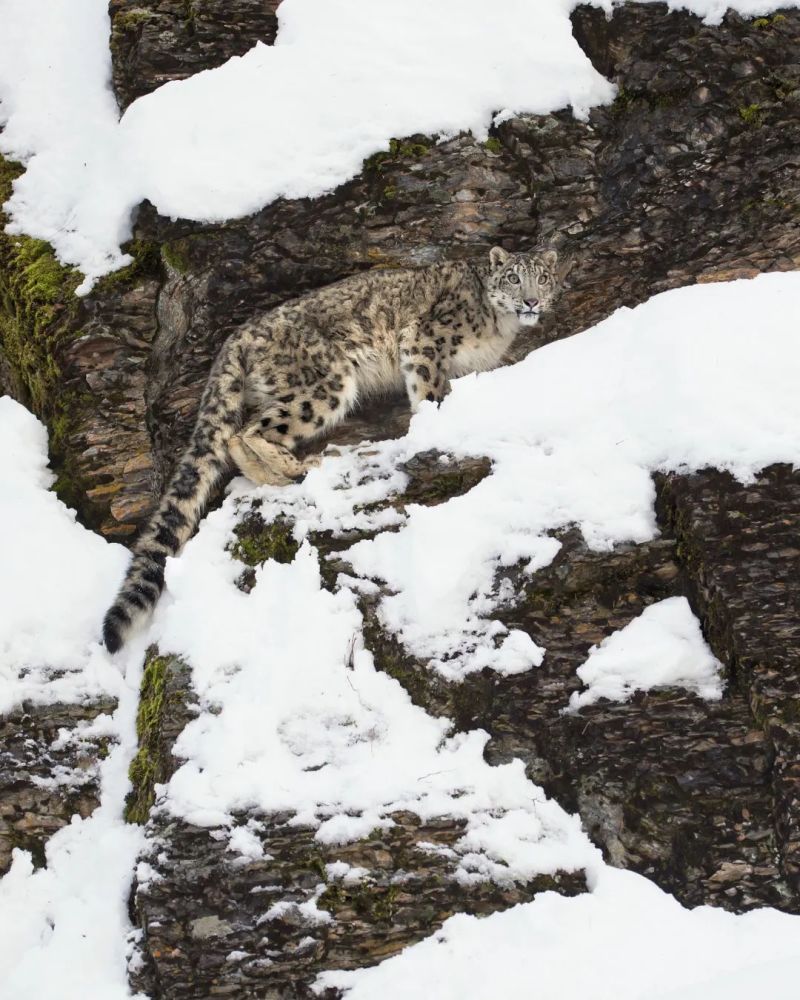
[{"x": 198, "y": 473}]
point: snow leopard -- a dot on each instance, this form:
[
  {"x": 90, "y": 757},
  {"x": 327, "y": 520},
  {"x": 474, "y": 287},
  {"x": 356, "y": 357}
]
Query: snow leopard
[{"x": 293, "y": 373}]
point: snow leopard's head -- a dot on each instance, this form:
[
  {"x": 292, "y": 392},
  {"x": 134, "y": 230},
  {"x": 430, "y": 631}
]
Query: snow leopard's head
[{"x": 522, "y": 283}]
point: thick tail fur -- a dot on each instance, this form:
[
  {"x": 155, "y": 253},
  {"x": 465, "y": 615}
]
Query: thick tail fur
[{"x": 199, "y": 471}]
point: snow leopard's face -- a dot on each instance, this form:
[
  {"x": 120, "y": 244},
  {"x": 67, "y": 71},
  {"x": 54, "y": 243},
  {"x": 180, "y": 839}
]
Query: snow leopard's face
[{"x": 524, "y": 284}]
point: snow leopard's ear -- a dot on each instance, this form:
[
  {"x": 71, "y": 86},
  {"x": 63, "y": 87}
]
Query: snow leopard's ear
[
  {"x": 549, "y": 258},
  {"x": 497, "y": 257}
]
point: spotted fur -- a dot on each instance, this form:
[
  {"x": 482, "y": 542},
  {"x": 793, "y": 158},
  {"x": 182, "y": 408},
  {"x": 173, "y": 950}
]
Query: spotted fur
[{"x": 302, "y": 367}]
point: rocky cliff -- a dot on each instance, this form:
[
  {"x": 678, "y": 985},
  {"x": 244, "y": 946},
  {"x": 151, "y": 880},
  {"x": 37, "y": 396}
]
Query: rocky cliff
[{"x": 689, "y": 176}]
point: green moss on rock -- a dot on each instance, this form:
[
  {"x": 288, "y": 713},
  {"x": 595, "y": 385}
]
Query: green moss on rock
[
  {"x": 126, "y": 26},
  {"x": 37, "y": 309},
  {"x": 175, "y": 253},
  {"x": 768, "y": 22},
  {"x": 146, "y": 264},
  {"x": 399, "y": 149},
  {"x": 39, "y": 317},
  {"x": 257, "y": 541},
  {"x": 128, "y": 19},
  {"x": 374, "y": 903},
  {"x": 391, "y": 658},
  {"x": 622, "y": 102},
  {"x": 150, "y": 765},
  {"x": 751, "y": 115}
]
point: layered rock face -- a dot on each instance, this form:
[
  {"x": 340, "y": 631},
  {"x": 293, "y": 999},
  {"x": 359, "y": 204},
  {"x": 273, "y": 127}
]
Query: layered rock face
[{"x": 689, "y": 176}]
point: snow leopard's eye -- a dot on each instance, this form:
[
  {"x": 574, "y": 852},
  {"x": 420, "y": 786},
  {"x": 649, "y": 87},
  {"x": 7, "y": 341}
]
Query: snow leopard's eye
[
  {"x": 513, "y": 277},
  {"x": 542, "y": 279}
]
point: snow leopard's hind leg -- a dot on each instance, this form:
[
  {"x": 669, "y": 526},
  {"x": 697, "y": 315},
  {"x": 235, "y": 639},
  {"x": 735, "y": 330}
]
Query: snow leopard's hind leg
[
  {"x": 264, "y": 463},
  {"x": 264, "y": 449}
]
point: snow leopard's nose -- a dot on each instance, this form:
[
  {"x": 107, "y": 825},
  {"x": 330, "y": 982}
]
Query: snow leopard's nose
[{"x": 531, "y": 303}]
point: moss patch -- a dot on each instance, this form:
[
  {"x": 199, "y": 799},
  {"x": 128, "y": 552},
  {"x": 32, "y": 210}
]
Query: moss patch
[
  {"x": 257, "y": 541},
  {"x": 751, "y": 115},
  {"x": 39, "y": 316},
  {"x": 150, "y": 765},
  {"x": 399, "y": 149},
  {"x": 146, "y": 264},
  {"x": 128, "y": 19},
  {"x": 392, "y": 659},
  {"x": 622, "y": 102},
  {"x": 37, "y": 308},
  {"x": 376, "y": 904},
  {"x": 768, "y": 22},
  {"x": 126, "y": 26},
  {"x": 176, "y": 254}
]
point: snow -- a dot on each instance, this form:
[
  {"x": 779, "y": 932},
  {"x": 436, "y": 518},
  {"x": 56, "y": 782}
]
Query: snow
[
  {"x": 56, "y": 578},
  {"x": 626, "y": 940},
  {"x": 295, "y": 718},
  {"x": 662, "y": 647},
  {"x": 298, "y": 719},
  {"x": 293, "y": 120},
  {"x": 244, "y": 841},
  {"x": 63, "y": 927}
]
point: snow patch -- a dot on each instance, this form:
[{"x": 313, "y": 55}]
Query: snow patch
[
  {"x": 55, "y": 581},
  {"x": 296, "y": 718},
  {"x": 292, "y": 120},
  {"x": 662, "y": 647}
]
